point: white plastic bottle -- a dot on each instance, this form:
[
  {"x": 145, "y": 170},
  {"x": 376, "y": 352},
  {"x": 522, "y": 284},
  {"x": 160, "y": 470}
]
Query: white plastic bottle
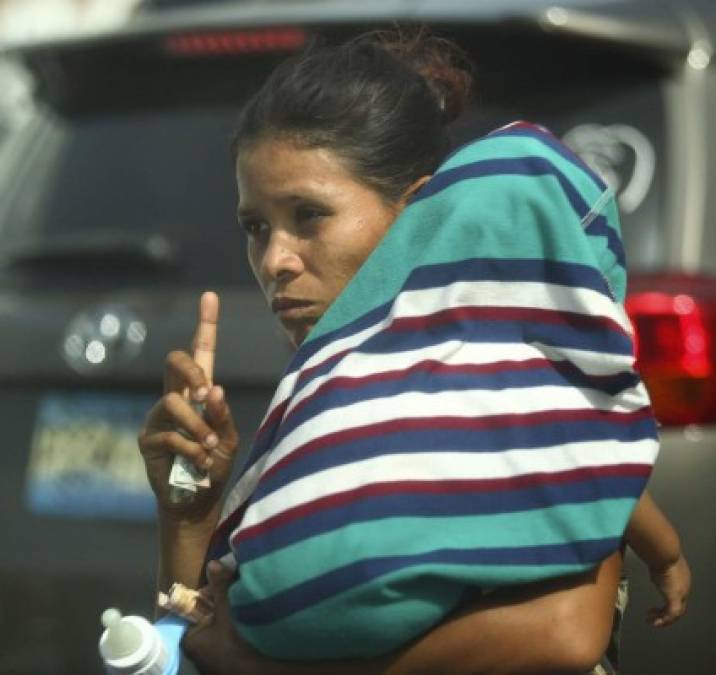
[{"x": 130, "y": 645}]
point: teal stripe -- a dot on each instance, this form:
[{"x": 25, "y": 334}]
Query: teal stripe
[
  {"x": 614, "y": 272},
  {"x": 278, "y": 571},
  {"x": 519, "y": 217},
  {"x": 367, "y": 621},
  {"x": 514, "y": 147},
  {"x": 371, "y": 620}
]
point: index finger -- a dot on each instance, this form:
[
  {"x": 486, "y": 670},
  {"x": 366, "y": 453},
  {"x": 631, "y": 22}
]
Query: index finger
[{"x": 204, "y": 343}]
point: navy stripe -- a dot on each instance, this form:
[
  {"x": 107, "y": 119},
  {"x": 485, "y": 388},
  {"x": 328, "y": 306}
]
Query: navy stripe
[
  {"x": 476, "y": 331},
  {"x": 573, "y": 275},
  {"x": 468, "y": 331},
  {"x": 219, "y": 544},
  {"x": 526, "y": 129},
  {"x": 600, "y": 227},
  {"x": 430, "y": 382},
  {"x": 480, "y": 331},
  {"x": 596, "y": 228},
  {"x": 569, "y": 274},
  {"x": 344, "y": 578},
  {"x": 364, "y": 321},
  {"x": 495, "y": 439},
  {"x": 259, "y": 448},
  {"x": 518, "y": 166},
  {"x": 551, "y": 141},
  {"x": 436, "y": 276},
  {"x": 431, "y": 505},
  {"x": 428, "y": 505},
  {"x": 525, "y": 166},
  {"x": 544, "y": 136}
]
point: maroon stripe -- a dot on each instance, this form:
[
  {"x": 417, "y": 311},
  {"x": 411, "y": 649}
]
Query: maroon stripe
[
  {"x": 440, "y": 368},
  {"x": 303, "y": 374},
  {"x": 273, "y": 418},
  {"x": 279, "y": 410},
  {"x": 472, "y": 423},
  {"x": 520, "y": 124},
  {"x": 468, "y": 313},
  {"x": 427, "y": 366},
  {"x": 228, "y": 525},
  {"x": 440, "y": 487},
  {"x": 525, "y": 314},
  {"x": 307, "y": 372}
]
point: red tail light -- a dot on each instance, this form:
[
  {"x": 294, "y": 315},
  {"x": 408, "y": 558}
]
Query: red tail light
[
  {"x": 675, "y": 320},
  {"x": 217, "y": 43}
]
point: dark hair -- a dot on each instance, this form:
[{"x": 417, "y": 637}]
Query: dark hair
[{"x": 382, "y": 102}]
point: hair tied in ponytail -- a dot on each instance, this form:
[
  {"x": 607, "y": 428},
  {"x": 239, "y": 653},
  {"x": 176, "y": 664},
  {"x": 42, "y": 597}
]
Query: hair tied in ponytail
[
  {"x": 443, "y": 65},
  {"x": 382, "y": 101}
]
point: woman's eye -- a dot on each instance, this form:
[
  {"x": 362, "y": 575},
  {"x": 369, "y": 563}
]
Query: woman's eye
[
  {"x": 308, "y": 214},
  {"x": 253, "y": 228}
]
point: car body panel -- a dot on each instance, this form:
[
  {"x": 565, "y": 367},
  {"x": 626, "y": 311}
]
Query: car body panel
[{"x": 620, "y": 67}]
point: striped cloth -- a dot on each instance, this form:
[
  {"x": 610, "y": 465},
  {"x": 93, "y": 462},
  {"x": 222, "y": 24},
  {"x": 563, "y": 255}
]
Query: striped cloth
[{"x": 465, "y": 415}]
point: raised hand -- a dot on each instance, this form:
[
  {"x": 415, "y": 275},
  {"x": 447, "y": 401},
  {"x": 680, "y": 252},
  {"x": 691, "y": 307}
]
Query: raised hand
[{"x": 175, "y": 427}]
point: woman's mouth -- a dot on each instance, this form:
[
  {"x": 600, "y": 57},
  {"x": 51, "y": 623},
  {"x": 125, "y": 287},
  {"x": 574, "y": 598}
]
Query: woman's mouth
[{"x": 291, "y": 308}]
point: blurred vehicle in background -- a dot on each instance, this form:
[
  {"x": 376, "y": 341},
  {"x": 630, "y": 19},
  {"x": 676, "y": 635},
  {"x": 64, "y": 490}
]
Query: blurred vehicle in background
[
  {"x": 22, "y": 20},
  {"x": 118, "y": 209}
]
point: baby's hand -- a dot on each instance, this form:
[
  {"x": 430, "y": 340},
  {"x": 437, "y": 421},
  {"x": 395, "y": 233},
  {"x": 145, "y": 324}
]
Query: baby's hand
[{"x": 674, "y": 583}]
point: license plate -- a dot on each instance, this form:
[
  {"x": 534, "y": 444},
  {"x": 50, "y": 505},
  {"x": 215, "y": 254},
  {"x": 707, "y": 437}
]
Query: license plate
[{"x": 84, "y": 459}]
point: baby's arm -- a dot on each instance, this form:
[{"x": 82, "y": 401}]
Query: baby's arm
[
  {"x": 556, "y": 626},
  {"x": 652, "y": 537}
]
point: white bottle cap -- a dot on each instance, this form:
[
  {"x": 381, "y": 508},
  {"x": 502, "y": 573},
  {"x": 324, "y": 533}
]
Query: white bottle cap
[{"x": 131, "y": 645}]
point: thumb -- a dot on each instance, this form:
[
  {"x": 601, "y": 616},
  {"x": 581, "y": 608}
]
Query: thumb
[
  {"x": 218, "y": 415},
  {"x": 219, "y": 578}
]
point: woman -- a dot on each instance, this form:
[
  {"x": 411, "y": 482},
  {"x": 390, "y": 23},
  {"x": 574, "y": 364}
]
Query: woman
[{"x": 329, "y": 154}]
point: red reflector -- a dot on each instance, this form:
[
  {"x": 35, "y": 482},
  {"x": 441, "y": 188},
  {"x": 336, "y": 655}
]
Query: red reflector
[
  {"x": 236, "y": 42},
  {"x": 675, "y": 321}
]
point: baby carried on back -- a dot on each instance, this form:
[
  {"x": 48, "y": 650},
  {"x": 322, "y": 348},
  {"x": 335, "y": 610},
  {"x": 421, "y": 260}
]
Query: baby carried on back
[{"x": 466, "y": 415}]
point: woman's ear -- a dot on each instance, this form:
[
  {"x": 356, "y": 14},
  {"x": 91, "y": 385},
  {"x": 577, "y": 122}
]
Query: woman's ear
[{"x": 413, "y": 189}]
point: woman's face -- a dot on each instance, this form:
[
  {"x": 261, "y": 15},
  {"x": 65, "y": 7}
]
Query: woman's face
[{"x": 310, "y": 225}]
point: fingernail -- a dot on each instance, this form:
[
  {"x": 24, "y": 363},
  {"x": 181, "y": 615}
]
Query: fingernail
[
  {"x": 218, "y": 452},
  {"x": 211, "y": 441},
  {"x": 214, "y": 566},
  {"x": 208, "y": 463},
  {"x": 201, "y": 393}
]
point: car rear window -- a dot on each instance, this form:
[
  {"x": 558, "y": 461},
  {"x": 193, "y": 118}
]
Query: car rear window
[
  {"x": 162, "y": 175},
  {"x": 137, "y": 146}
]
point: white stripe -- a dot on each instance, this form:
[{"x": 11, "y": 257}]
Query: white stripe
[
  {"x": 457, "y": 353},
  {"x": 469, "y": 403},
  {"x": 243, "y": 489},
  {"x": 442, "y": 466},
  {"x": 427, "y": 301},
  {"x": 529, "y": 295},
  {"x": 451, "y": 352},
  {"x": 414, "y": 405},
  {"x": 518, "y": 294},
  {"x": 287, "y": 384}
]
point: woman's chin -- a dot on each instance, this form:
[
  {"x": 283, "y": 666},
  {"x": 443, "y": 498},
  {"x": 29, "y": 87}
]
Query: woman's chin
[{"x": 297, "y": 333}]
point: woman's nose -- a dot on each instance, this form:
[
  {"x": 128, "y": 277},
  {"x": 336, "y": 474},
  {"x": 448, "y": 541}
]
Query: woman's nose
[{"x": 281, "y": 259}]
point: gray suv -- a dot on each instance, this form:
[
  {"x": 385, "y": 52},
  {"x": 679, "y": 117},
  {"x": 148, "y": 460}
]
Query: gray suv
[{"x": 117, "y": 210}]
